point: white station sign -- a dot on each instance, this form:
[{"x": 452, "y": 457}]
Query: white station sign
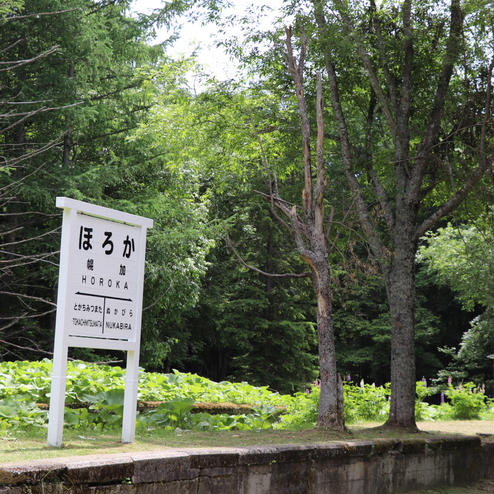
[
  {"x": 104, "y": 283},
  {"x": 99, "y": 299}
]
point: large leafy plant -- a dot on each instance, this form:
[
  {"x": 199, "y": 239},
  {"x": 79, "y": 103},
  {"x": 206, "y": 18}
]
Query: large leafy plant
[{"x": 94, "y": 401}]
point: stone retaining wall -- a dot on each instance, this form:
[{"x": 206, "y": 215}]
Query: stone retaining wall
[{"x": 353, "y": 467}]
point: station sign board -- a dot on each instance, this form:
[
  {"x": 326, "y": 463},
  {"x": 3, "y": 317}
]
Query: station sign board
[
  {"x": 104, "y": 284},
  {"x": 99, "y": 300}
]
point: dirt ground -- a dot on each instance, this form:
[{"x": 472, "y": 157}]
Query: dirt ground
[{"x": 459, "y": 427}]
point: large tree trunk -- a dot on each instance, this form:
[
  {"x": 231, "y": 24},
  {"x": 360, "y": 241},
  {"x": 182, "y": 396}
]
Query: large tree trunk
[
  {"x": 400, "y": 202},
  {"x": 400, "y": 284},
  {"x": 331, "y": 409}
]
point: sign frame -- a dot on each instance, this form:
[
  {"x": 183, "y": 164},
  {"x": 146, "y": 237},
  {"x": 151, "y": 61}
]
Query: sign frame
[{"x": 63, "y": 340}]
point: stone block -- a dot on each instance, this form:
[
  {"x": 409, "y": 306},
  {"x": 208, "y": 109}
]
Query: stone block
[
  {"x": 107, "y": 489},
  {"x": 211, "y": 458},
  {"x": 115, "y": 468},
  {"x": 258, "y": 455},
  {"x": 174, "y": 487},
  {"x": 257, "y": 480},
  {"x": 351, "y": 467},
  {"x": 163, "y": 466},
  {"x": 32, "y": 472},
  {"x": 218, "y": 484},
  {"x": 290, "y": 477}
]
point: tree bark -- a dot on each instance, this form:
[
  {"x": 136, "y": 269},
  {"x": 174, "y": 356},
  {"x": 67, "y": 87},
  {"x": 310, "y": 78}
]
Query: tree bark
[
  {"x": 394, "y": 247},
  {"x": 331, "y": 410},
  {"x": 400, "y": 285},
  {"x": 311, "y": 239}
]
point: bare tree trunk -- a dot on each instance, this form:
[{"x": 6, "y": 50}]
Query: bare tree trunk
[
  {"x": 311, "y": 233},
  {"x": 331, "y": 409},
  {"x": 400, "y": 284}
]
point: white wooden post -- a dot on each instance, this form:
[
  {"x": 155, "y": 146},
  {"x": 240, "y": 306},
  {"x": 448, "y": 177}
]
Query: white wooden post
[
  {"x": 60, "y": 351},
  {"x": 99, "y": 300},
  {"x": 130, "y": 397},
  {"x": 57, "y": 396},
  {"x": 132, "y": 368}
]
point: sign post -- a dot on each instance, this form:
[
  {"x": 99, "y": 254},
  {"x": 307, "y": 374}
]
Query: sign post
[{"x": 99, "y": 301}]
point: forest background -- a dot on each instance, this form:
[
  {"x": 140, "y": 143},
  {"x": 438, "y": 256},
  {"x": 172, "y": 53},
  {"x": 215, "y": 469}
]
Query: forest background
[{"x": 91, "y": 109}]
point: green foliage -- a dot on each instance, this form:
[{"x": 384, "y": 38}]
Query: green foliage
[
  {"x": 363, "y": 326},
  {"x": 70, "y": 118},
  {"x": 18, "y": 411},
  {"x": 113, "y": 121},
  {"x": 9, "y": 7},
  {"x": 422, "y": 410},
  {"x": 463, "y": 258},
  {"x": 247, "y": 326},
  {"x": 172, "y": 414},
  {"x": 366, "y": 402},
  {"x": 24, "y": 384},
  {"x": 100, "y": 388},
  {"x": 476, "y": 344},
  {"x": 105, "y": 411},
  {"x": 467, "y": 401}
]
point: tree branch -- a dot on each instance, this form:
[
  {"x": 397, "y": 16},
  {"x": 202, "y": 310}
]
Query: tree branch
[
  {"x": 16, "y": 161},
  {"x": 321, "y": 169},
  {"x": 29, "y": 297},
  {"x": 297, "y": 74},
  {"x": 43, "y": 109},
  {"x": 26, "y": 316},
  {"x": 484, "y": 164},
  {"x": 384, "y": 58},
  {"x": 433, "y": 128},
  {"x": 402, "y": 132},
  {"x": 37, "y": 350},
  {"x": 346, "y": 148},
  {"x": 376, "y": 86},
  {"x": 14, "y": 64},
  {"x": 30, "y": 239},
  {"x": 39, "y": 14},
  {"x": 306, "y": 254},
  {"x": 378, "y": 187},
  {"x": 260, "y": 271},
  {"x": 7, "y": 48},
  {"x": 268, "y": 172}
]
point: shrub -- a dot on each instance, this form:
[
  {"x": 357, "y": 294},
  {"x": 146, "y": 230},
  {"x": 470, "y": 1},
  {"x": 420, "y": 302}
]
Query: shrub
[
  {"x": 423, "y": 411},
  {"x": 366, "y": 402},
  {"x": 467, "y": 401}
]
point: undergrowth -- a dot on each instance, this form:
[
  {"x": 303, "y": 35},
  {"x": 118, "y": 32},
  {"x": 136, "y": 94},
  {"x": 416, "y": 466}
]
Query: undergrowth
[{"x": 99, "y": 390}]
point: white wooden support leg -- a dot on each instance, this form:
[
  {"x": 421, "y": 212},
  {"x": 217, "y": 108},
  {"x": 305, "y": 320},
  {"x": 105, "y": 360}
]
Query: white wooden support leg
[
  {"x": 130, "y": 397},
  {"x": 57, "y": 396}
]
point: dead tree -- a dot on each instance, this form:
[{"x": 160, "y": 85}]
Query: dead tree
[{"x": 311, "y": 228}]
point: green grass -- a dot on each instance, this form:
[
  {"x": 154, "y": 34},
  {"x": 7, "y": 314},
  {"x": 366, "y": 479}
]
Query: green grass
[
  {"x": 32, "y": 446},
  {"x": 35, "y": 447},
  {"x": 275, "y": 418}
]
